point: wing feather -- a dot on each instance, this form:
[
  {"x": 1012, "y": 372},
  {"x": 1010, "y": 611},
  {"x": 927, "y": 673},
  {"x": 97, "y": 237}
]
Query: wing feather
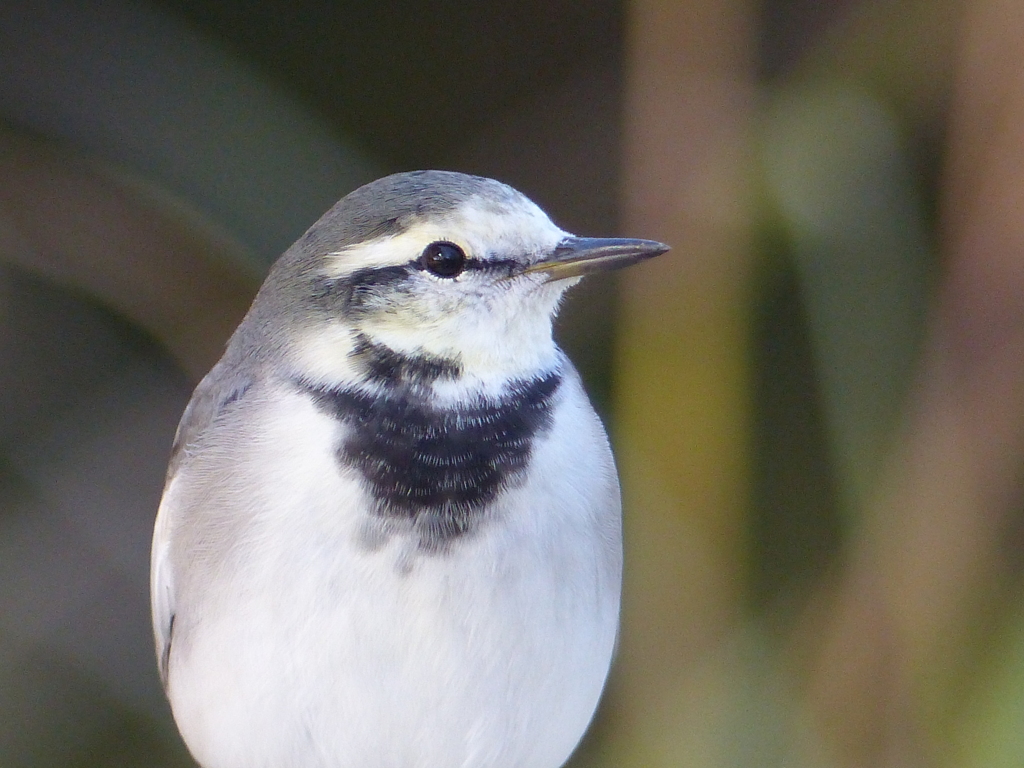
[{"x": 219, "y": 390}]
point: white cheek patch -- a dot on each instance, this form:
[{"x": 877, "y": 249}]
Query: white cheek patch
[
  {"x": 324, "y": 354},
  {"x": 516, "y": 229}
]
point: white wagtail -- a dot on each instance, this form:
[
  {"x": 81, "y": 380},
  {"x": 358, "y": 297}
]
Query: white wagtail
[{"x": 390, "y": 535}]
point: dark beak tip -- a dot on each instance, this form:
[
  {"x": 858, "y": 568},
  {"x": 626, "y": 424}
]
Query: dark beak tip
[
  {"x": 657, "y": 249},
  {"x": 578, "y": 256},
  {"x": 636, "y": 250}
]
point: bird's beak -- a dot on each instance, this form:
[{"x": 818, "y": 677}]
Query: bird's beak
[{"x": 577, "y": 256}]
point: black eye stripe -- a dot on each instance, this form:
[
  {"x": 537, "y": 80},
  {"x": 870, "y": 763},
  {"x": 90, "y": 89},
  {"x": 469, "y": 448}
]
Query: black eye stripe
[
  {"x": 376, "y": 278},
  {"x": 503, "y": 266},
  {"x": 370, "y": 277}
]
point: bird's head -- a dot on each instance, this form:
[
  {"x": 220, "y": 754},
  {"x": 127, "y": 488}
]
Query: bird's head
[{"x": 446, "y": 271}]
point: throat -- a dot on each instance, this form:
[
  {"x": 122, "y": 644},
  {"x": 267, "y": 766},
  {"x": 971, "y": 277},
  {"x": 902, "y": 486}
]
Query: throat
[
  {"x": 383, "y": 365},
  {"x": 437, "y": 468}
]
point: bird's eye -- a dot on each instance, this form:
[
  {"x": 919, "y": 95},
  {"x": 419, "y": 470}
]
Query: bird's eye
[{"x": 443, "y": 259}]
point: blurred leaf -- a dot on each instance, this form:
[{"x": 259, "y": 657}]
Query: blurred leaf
[
  {"x": 991, "y": 730},
  {"x": 840, "y": 179}
]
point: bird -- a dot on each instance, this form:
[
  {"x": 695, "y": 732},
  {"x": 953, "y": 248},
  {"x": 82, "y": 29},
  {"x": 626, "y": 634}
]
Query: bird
[{"x": 390, "y": 533}]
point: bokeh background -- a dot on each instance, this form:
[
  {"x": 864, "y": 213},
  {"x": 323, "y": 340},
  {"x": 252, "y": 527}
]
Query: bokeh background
[{"x": 817, "y": 398}]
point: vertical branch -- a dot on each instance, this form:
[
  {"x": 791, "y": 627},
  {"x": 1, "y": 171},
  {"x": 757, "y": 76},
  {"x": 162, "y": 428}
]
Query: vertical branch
[
  {"x": 933, "y": 555},
  {"x": 681, "y": 390}
]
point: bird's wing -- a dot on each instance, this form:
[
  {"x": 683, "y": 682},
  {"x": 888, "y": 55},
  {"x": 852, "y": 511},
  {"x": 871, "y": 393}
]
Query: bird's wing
[
  {"x": 161, "y": 585},
  {"x": 220, "y": 388},
  {"x": 217, "y": 391}
]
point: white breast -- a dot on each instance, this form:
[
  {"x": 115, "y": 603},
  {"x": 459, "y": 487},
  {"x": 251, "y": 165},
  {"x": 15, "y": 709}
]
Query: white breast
[{"x": 298, "y": 644}]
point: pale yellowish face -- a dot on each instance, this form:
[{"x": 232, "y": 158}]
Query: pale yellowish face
[{"x": 453, "y": 287}]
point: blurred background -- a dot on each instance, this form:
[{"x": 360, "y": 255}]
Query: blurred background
[{"x": 817, "y": 398}]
